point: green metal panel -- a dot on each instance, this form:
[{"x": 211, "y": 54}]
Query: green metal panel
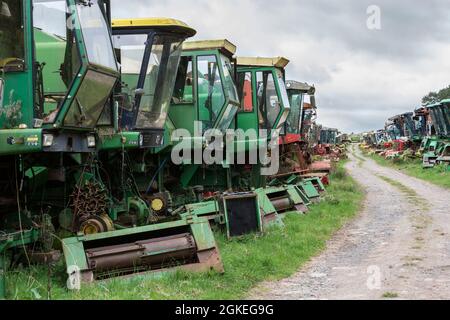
[
  {"x": 19, "y": 141},
  {"x": 294, "y": 195},
  {"x": 125, "y": 140},
  {"x": 18, "y": 99},
  {"x": 257, "y": 213},
  {"x": 200, "y": 209},
  {"x": 309, "y": 189},
  {"x": 203, "y": 235}
]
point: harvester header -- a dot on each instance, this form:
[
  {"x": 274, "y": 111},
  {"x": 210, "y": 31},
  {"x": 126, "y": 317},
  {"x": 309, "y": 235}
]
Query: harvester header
[
  {"x": 221, "y": 44},
  {"x": 165, "y": 24},
  {"x": 278, "y": 62}
]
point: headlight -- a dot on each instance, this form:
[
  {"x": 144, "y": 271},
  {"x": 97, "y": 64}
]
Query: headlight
[
  {"x": 91, "y": 141},
  {"x": 47, "y": 140},
  {"x": 141, "y": 140}
]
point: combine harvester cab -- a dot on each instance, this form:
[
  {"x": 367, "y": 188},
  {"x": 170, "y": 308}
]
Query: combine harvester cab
[
  {"x": 294, "y": 146},
  {"x": 205, "y": 101},
  {"x": 266, "y": 105},
  {"x": 437, "y": 148},
  {"x": 295, "y": 157},
  {"x": 444, "y": 151},
  {"x": 141, "y": 245},
  {"x": 148, "y": 50}
]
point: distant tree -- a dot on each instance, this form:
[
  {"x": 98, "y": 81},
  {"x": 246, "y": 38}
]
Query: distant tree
[{"x": 434, "y": 97}]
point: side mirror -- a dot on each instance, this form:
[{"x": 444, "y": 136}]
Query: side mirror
[{"x": 2, "y": 84}]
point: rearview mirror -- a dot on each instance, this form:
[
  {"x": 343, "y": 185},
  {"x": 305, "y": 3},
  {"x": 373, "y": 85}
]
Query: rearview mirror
[{"x": 1, "y": 92}]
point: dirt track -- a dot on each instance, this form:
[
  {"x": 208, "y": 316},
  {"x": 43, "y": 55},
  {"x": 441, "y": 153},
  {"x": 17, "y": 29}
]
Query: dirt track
[{"x": 398, "y": 247}]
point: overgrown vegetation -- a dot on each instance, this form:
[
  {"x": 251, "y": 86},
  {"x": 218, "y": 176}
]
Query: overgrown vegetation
[
  {"x": 249, "y": 261},
  {"x": 438, "y": 175},
  {"x": 434, "y": 97}
]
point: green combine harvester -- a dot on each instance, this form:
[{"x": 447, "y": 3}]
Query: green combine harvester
[
  {"x": 148, "y": 51},
  {"x": 204, "y": 98},
  {"x": 266, "y": 105}
]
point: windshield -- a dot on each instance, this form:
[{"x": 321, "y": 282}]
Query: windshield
[
  {"x": 96, "y": 87},
  {"x": 437, "y": 119},
  {"x": 283, "y": 91},
  {"x": 97, "y": 38},
  {"x": 410, "y": 125},
  {"x": 294, "y": 118},
  {"x": 268, "y": 101},
  {"x": 230, "y": 86},
  {"x": 445, "y": 110},
  {"x": 11, "y": 34},
  {"x": 157, "y": 83},
  {"x": 284, "y": 99},
  {"x": 57, "y": 52}
]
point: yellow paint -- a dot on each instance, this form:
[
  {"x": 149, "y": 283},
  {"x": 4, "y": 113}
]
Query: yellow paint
[
  {"x": 221, "y": 44},
  {"x": 279, "y": 62},
  {"x": 154, "y": 22}
]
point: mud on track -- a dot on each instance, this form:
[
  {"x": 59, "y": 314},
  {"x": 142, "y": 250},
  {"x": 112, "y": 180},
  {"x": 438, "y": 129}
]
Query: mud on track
[{"x": 398, "y": 247}]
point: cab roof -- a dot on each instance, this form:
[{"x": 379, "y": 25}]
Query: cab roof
[
  {"x": 166, "y": 24},
  {"x": 445, "y": 101},
  {"x": 220, "y": 44},
  {"x": 300, "y": 86},
  {"x": 279, "y": 62},
  {"x": 433, "y": 105}
]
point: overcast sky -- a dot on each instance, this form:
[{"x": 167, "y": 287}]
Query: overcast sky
[{"x": 362, "y": 76}]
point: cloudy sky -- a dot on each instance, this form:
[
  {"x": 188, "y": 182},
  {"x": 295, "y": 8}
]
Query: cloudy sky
[{"x": 362, "y": 76}]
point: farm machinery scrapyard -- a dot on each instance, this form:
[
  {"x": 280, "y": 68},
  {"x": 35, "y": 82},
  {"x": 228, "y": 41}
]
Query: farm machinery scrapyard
[{"x": 58, "y": 130}]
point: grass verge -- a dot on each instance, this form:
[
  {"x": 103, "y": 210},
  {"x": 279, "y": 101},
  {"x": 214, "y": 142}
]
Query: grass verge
[
  {"x": 438, "y": 175},
  {"x": 249, "y": 261}
]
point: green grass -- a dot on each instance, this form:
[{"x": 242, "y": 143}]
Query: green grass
[
  {"x": 438, "y": 175},
  {"x": 390, "y": 295},
  {"x": 248, "y": 262}
]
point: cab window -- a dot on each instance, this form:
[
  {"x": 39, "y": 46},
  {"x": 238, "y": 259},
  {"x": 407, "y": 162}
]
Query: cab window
[
  {"x": 182, "y": 92},
  {"x": 211, "y": 96},
  {"x": 246, "y": 91},
  {"x": 268, "y": 101},
  {"x": 12, "y": 52}
]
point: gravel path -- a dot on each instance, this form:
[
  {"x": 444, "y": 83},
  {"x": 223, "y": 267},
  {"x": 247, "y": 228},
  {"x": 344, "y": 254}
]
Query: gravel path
[{"x": 398, "y": 247}]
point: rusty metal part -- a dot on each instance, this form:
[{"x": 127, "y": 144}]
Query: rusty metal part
[
  {"x": 97, "y": 224},
  {"x": 321, "y": 166},
  {"x": 88, "y": 201},
  {"x": 143, "y": 255},
  {"x": 282, "y": 203}
]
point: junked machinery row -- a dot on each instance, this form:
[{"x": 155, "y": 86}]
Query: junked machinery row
[
  {"x": 423, "y": 133},
  {"x": 88, "y": 107}
]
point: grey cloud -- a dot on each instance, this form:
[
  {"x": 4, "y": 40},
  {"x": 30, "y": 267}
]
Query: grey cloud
[{"x": 362, "y": 76}]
